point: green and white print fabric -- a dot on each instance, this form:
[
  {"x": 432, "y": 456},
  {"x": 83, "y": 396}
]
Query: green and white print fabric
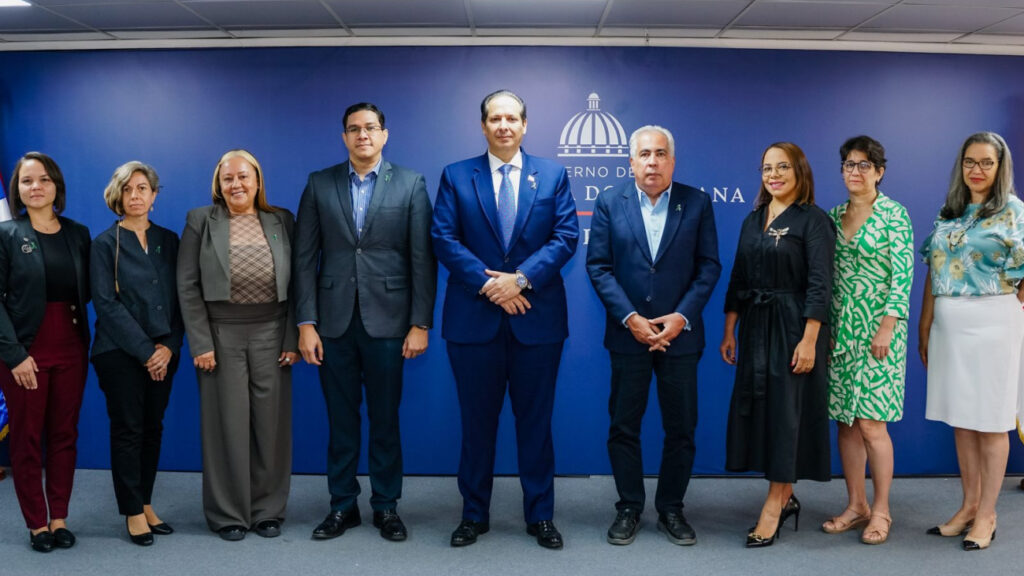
[{"x": 873, "y": 274}]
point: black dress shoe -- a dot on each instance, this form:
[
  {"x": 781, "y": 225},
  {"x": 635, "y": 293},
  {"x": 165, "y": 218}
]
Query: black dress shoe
[
  {"x": 268, "y": 528},
  {"x": 623, "y": 530},
  {"x": 41, "y": 542},
  {"x": 677, "y": 529},
  {"x": 232, "y": 533},
  {"x": 468, "y": 531},
  {"x": 547, "y": 535},
  {"x": 336, "y": 523},
  {"x": 144, "y": 539},
  {"x": 163, "y": 529},
  {"x": 63, "y": 538},
  {"x": 390, "y": 525}
]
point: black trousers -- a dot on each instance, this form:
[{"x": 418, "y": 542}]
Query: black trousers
[
  {"x": 677, "y": 398},
  {"x": 135, "y": 404},
  {"x": 352, "y": 362}
]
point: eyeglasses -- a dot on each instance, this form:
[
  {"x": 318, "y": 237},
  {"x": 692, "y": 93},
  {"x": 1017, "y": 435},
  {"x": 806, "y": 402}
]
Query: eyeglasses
[
  {"x": 985, "y": 164},
  {"x": 862, "y": 166},
  {"x": 356, "y": 130},
  {"x": 782, "y": 168}
]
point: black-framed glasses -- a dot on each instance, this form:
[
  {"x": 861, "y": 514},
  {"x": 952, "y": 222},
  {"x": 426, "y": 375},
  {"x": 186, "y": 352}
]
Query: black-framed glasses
[
  {"x": 370, "y": 130},
  {"x": 862, "y": 166},
  {"x": 985, "y": 164},
  {"x": 781, "y": 167}
]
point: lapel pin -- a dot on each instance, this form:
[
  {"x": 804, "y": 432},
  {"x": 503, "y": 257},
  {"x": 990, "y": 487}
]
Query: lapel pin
[
  {"x": 532, "y": 181},
  {"x": 387, "y": 177},
  {"x": 158, "y": 249},
  {"x": 679, "y": 207},
  {"x": 275, "y": 236}
]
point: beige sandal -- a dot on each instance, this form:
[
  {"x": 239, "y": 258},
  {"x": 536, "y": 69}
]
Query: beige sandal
[
  {"x": 837, "y": 525},
  {"x": 877, "y": 535}
]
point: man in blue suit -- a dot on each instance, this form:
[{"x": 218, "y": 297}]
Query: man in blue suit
[
  {"x": 653, "y": 260},
  {"x": 364, "y": 280},
  {"x": 504, "y": 226}
]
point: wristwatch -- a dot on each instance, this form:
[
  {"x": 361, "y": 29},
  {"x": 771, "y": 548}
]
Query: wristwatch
[{"x": 521, "y": 281}]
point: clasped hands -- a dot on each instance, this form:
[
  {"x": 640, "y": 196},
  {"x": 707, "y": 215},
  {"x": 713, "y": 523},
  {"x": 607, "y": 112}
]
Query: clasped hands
[
  {"x": 657, "y": 333},
  {"x": 502, "y": 290}
]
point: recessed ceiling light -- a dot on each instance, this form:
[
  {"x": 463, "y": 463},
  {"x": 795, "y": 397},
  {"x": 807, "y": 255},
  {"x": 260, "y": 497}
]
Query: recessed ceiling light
[{"x": 8, "y": 3}]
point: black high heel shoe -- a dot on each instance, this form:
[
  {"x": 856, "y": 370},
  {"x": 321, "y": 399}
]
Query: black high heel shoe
[
  {"x": 144, "y": 539},
  {"x": 792, "y": 508}
]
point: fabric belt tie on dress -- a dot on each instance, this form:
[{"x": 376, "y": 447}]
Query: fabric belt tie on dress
[{"x": 757, "y": 388}]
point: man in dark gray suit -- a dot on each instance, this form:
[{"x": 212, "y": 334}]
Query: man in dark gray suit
[{"x": 364, "y": 279}]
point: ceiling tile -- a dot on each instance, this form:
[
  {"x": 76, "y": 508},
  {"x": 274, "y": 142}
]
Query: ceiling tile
[
  {"x": 964, "y": 18},
  {"x": 634, "y": 32},
  {"x": 55, "y": 37},
  {"x": 33, "y": 19},
  {"x": 996, "y": 39},
  {"x": 777, "y": 14},
  {"x": 168, "y": 34},
  {"x": 264, "y": 13},
  {"x": 401, "y": 12},
  {"x": 1013, "y": 25},
  {"x": 133, "y": 16},
  {"x": 980, "y": 3},
  {"x": 545, "y": 13},
  {"x": 52, "y": 3},
  {"x": 674, "y": 13}
]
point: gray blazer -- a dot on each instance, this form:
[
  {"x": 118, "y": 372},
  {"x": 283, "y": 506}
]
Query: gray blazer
[
  {"x": 204, "y": 269},
  {"x": 391, "y": 264}
]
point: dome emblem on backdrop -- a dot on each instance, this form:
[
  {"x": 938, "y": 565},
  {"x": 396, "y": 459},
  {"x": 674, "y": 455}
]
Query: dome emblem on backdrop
[{"x": 593, "y": 133}]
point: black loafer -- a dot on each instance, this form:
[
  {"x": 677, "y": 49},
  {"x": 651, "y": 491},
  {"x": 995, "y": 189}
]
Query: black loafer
[
  {"x": 390, "y": 525},
  {"x": 336, "y": 523},
  {"x": 268, "y": 528},
  {"x": 63, "y": 538},
  {"x": 41, "y": 542},
  {"x": 677, "y": 529},
  {"x": 467, "y": 532},
  {"x": 547, "y": 535},
  {"x": 232, "y": 533},
  {"x": 623, "y": 530},
  {"x": 162, "y": 529}
]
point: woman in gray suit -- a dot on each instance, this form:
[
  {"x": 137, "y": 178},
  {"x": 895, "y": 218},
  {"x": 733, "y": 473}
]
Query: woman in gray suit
[{"x": 233, "y": 273}]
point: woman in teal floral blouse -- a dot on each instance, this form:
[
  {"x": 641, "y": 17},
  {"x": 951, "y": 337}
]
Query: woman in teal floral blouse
[{"x": 972, "y": 326}]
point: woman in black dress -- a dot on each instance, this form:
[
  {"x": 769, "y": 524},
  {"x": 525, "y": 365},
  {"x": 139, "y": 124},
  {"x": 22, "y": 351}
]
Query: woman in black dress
[{"x": 780, "y": 291}]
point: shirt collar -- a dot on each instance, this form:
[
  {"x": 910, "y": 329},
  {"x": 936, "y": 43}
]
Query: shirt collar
[
  {"x": 496, "y": 163},
  {"x": 374, "y": 171},
  {"x": 641, "y": 194}
]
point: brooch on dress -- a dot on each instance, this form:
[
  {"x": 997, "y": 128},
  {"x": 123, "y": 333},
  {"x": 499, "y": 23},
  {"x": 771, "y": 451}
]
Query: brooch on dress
[{"x": 778, "y": 234}]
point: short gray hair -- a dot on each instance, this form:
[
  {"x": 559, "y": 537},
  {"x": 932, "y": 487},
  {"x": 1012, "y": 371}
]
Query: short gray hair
[
  {"x": 651, "y": 128},
  {"x": 124, "y": 173}
]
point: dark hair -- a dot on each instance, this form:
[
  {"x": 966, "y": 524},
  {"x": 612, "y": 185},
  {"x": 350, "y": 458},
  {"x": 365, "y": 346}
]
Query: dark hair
[
  {"x": 487, "y": 100},
  {"x": 52, "y": 170},
  {"x": 801, "y": 170},
  {"x": 959, "y": 196},
  {"x": 359, "y": 108},
  {"x": 871, "y": 148}
]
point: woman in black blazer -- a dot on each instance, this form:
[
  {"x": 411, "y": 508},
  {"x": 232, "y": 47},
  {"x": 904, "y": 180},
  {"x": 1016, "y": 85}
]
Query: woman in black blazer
[
  {"x": 44, "y": 339},
  {"x": 138, "y": 338}
]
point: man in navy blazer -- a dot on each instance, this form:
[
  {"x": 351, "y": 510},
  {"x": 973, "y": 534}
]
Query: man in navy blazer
[
  {"x": 504, "y": 226},
  {"x": 653, "y": 260},
  {"x": 364, "y": 281}
]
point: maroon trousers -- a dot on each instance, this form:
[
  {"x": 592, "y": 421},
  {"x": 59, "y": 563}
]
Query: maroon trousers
[{"x": 51, "y": 412}]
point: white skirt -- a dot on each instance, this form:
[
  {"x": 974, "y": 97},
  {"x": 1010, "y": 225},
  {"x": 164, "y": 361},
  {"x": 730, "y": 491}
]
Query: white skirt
[{"x": 974, "y": 357}]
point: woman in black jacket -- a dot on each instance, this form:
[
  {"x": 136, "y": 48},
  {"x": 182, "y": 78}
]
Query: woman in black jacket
[
  {"x": 138, "y": 338},
  {"x": 44, "y": 340}
]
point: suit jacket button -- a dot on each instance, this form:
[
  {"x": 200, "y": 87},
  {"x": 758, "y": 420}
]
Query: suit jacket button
[
  {"x": 155, "y": 281},
  {"x": 359, "y": 250},
  {"x": 159, "y": 307},
  {"x": 653, "y": 270},
  {"x": 74, "y": 320},
  {"x": 352, "y": 279},
  {"x": 73, "y": 308},
  {"x": 506, "y": 259},
  {"x": 648, "y": 298}
]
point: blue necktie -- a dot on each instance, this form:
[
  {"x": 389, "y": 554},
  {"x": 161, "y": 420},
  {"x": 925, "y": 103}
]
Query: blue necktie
[{"x": 506, "y": 205}]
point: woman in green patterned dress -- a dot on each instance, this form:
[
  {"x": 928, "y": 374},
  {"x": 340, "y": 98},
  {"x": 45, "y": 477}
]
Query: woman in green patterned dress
[{"x": 874, "y": 268}]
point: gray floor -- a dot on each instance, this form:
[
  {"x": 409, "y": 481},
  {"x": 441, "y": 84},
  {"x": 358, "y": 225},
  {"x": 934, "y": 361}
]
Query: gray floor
[{"x": 719, "y": 508}]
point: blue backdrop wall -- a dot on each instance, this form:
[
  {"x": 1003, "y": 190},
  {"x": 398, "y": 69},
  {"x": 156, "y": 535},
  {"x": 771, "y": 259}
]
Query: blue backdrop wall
[{"x": 180, "y": 110}]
